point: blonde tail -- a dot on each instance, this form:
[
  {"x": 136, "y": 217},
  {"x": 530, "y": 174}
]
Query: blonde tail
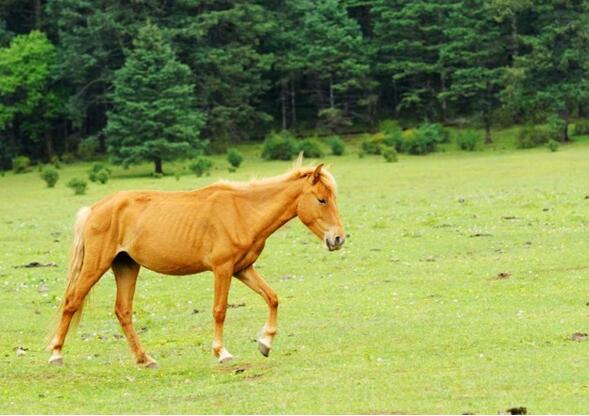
[{"x": 76, "y": 261}]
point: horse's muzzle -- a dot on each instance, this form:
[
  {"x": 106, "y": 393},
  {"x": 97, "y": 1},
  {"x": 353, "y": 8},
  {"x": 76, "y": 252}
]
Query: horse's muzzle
[{"x": 334, "y": 243}]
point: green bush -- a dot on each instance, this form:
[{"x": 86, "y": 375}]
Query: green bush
[
  {"x": 68, "y": 158},
  {"x": 88, "y": 148},
  {"x": 372, "y": 145},
  {"x": 21, "y": 164},
  {"x": 533, "y": 136},
  {"x": 552, "y": 145},
  {"x": 390, "y": 154},
  {"x": 202, "y": 165},
  {"x": 468, "y": 140},
  {"x": 55, "y": 162},
  {"x": 50, "y": 176},
  {"x": 78, "y": 185},
  {"x": 280, "y": 146},
  {"x": 99, "y": 173},
  {"x": 555, "y": 126},
  {"x": 311, "y": 147},
  {"x": 337, "y": 145},
  {"x": 581, "y": 128},
  {"x": 234, "y": 157}
]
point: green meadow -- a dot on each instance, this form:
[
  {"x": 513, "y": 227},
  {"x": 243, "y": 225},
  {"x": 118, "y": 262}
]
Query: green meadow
[{"x": 462, "y": 282}]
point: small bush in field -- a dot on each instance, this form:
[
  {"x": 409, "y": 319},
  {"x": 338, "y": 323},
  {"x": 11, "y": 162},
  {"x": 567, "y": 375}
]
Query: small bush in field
[
  {"x": 78, "y": 185},
  {"x": 234, "y": 157},
  {"x": 372, "y": 145},
  {"x": 581, "y": 128},
  {"x": 99, "y": 173},
  {"x": 311, "y": 148},
  {"x": 21, "y": 164},
  {"x": 533, "y": 136},
  {"x": 202, "y": 165},
  {"x": 50, "y": 176},
  {"x": 552, "y": 145},
  {"x": 468, "y": 140},
  {"x": 338, "y": 147},
  {"x": 390, "y": 154},
  {"x": 280, "y": 146},
  {"x": 55, "y": 162},
  {"x": 68, "y": 158}
]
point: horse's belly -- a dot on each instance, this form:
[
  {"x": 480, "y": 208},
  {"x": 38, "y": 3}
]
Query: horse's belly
[{"x": 170, "y": 260}]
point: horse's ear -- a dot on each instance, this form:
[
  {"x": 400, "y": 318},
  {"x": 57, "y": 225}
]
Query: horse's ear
[{"x": 317, "y": 173}]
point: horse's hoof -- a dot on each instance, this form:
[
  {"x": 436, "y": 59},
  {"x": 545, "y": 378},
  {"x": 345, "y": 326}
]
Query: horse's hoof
[
  {"x": 225, "y": 357},
  {"x": 56, "y": 360},
  {"x": 263, "y": 348},
  {"x": 152, "y": 365}
]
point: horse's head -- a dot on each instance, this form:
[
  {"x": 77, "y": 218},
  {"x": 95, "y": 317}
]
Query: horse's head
[{"x": 317, "y": 208}]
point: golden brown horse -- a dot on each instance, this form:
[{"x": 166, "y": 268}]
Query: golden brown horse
[{"x": 222, "y": 227}]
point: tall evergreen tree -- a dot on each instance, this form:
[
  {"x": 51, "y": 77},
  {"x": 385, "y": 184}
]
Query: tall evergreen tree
[
  {"x": 154, "y": 116},
  {"x": 223, "y": 43},
  {"x": 336, "y": 58},
  {"x": 554, "y": 75},
  {"x": 476, "y": 52}
]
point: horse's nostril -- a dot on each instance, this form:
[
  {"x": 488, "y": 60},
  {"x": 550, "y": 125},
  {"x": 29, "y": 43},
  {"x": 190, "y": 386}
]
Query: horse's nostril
[{"x": 338, "y": 240}]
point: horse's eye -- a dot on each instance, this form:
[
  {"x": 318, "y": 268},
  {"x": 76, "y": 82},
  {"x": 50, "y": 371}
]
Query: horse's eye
[{"x": 322, "y": 201}]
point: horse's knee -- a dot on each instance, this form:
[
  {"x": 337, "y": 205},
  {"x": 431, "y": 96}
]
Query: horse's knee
[
  {"x": 273, "y": 300},
  {"x": 71, "y": 305},
  {"x": 219, "y": 313}
]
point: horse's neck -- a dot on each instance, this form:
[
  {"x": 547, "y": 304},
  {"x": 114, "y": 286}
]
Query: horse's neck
[{"x": 272, "y": 205}]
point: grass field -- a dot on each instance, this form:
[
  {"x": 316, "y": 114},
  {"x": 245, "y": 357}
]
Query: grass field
[{"x": 458, "y": 290}]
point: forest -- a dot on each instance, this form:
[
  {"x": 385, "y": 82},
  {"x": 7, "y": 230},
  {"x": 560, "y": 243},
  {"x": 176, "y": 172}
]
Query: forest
[{"x": 173, "y": 77}]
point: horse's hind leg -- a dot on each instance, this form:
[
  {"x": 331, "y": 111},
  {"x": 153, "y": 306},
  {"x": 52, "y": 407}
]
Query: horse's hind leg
[
  {"x": 126, "y": 271},
  {"x": 255, "y": 282},
  {"x": 92, "y": 270}
]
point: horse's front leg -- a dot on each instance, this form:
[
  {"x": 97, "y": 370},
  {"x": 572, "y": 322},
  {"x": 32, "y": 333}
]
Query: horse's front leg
[
  {"x": 223, "y": 275},
  {"x": 254, "y": 281}
]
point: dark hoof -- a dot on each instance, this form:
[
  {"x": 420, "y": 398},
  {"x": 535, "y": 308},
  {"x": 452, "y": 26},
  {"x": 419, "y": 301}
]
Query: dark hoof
[{"x": 264, "y": 349}]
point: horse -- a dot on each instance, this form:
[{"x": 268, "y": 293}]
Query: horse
[{"x": 220, "y": 228}]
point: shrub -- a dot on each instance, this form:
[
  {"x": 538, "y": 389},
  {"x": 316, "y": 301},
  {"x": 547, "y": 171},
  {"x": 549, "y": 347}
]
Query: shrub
[
  {"x": 55, "y": 162},
  {"x": 552, "y": 145},
  {"x": 338, "y": 147},
  {"x": 333, "y": 119},
  {"x": 99, "y": 173},
  {"x": 390, "y": 154},
  {"x": 533, "y": 136},
  {"x": 78, "y": 185},
  {"x": 68, "y": 158},
  {"x": 555, "y": 126},
  {"x": 581, "y": 128},
  {"x": 468, "y": 140},
  {"x": 202, "y": 165},
  {"x": 234, "y": 157},
  {"x": 88, "y": 147},
  {"x": 21, "y": 164},
  {"x": 50, "y": 176},
  {"x": 279, "y": 146},
  {"x": 372, "y": 145},
  {"x": 311, "y": 148}
]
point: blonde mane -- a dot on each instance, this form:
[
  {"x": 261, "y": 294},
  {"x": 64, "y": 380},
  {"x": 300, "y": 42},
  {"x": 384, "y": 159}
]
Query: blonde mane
[{"x": 296, "y": 172}]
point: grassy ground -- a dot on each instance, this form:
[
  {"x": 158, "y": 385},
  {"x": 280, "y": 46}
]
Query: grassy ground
[{"x": 458, "y": 291}]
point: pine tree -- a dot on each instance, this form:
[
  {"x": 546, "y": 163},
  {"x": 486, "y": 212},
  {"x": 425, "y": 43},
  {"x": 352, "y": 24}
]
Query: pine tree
[
  {"x": 552, "y": 77},
  {"x": 154, "y": 117},
  {"x": 476, "y": 52},
  {"x": 408, "y": 37}
]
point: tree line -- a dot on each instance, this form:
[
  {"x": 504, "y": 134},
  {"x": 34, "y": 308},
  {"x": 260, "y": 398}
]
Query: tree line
[{"x": 146, "y": 77}]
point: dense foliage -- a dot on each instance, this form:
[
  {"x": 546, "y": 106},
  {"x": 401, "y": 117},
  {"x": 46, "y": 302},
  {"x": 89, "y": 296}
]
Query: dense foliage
[{"x": 150, "y": 80}]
